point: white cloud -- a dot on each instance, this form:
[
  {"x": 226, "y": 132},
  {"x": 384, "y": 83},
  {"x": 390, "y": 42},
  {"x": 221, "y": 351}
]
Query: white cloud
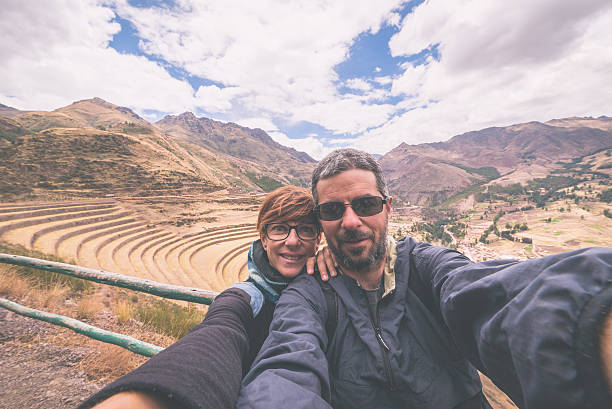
[
  {"x": 216, "y": 99},
  {"x": 262, "y": 123},
  {"x": 345, "y": 115},
  {"x": 57, "y": 54},
  {"x": 500, "y": 63},
  {"x": 358, "y": 84},
  {"x": 282, "y": 54},
  {"x": 310, "y": 145}
]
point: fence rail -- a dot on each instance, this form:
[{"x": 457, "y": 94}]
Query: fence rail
[
  {"x": 127, "y": 342},
  {"x": 175, "y": 292}
]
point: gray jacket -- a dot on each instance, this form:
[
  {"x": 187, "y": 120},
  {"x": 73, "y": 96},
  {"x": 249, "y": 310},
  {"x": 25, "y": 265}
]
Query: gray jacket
[{"x": 519, "y": 323}]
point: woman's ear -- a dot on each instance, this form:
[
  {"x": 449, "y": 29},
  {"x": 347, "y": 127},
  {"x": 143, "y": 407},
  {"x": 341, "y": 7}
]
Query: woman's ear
[{"x": 264, "y": 242}]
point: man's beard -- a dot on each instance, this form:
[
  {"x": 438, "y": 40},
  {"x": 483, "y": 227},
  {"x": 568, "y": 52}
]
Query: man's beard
[{"x": 357, "y": 264}]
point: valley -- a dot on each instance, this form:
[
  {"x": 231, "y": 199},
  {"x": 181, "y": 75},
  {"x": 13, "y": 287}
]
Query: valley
[{"x": 176, "y": 201}]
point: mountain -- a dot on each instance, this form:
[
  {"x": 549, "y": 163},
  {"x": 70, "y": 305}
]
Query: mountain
[
  {"x": 9, "y": 111},
  {"x": 432, "y": 172},
  {"x": 93, "y": 148},
  {"x": 239, "y": 150}
]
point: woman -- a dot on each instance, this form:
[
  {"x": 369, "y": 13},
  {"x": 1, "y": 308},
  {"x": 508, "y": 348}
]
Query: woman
[{"x": 204, "y": 368}]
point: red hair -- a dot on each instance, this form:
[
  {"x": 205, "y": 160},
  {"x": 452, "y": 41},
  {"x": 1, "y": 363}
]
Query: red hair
[{"x": 284, "y": 204}]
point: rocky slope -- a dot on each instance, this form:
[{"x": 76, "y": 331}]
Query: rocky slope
[
  {"x": 429, "y": 173},
  {"x": 247, "y": 151},
  {"x": 94, "y": 148}
]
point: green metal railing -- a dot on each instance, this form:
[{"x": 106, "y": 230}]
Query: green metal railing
[{"x": 174, "y": 292}]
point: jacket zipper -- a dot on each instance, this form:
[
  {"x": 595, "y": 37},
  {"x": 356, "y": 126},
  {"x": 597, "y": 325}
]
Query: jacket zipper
[{"x": 384, "y": 349}]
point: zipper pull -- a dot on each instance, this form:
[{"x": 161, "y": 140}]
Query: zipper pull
[{"x": 382, "y": 341}]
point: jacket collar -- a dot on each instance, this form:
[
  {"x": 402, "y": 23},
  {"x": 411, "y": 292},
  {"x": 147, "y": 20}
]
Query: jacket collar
[{"x": 389, "y": 271}]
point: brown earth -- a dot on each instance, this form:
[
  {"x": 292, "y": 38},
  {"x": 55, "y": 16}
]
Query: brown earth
[{"x": 46, "y": 366}]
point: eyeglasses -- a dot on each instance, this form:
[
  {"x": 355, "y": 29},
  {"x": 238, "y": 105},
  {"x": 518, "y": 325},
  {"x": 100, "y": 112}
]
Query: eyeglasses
[
  {"x": 280, "y": 231},
  {"x": 362, "y": 206}
]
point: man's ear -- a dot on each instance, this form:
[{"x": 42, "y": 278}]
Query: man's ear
[{"x": 389, "y": 200}]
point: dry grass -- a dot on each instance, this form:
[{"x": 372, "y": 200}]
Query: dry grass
[
  {"x": 124, "y": 311},
  {"x": 11, "y": 283},
  {"x": 40, "y": 278},
  {"x": 108, "y": 362},
  {"x": 53, "y": 296},
  {"x": 167, "y": 317},
  {"x": 88, "y": 307}
]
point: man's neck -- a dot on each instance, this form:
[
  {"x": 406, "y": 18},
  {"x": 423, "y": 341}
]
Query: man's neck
[{"x": 368, "y": 280}]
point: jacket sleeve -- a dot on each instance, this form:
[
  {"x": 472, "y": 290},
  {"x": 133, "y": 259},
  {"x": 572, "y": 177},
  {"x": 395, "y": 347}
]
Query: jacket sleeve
[
  {"x": 531, "y": 326},
  {"x": 204, "y": 368},
  {"x": 291, "y": 368}
]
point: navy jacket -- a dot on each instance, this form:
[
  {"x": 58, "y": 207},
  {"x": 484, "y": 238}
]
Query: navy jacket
[{"x": 528, "y": 325}]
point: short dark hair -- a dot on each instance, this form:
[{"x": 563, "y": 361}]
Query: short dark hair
[
  {"x": 346, "y": 159},
  {"x": 284, "y": 204}
]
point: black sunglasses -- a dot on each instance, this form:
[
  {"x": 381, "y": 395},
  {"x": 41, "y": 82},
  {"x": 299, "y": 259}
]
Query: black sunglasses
[{"x": 362, "y": 206}]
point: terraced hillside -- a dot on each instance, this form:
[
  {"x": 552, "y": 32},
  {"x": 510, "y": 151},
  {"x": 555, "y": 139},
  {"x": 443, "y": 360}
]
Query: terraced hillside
[{"x": 112, "y": 235}]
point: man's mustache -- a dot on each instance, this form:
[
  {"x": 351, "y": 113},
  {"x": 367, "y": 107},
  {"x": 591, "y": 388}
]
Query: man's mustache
[{"x": 354, "y": 235}]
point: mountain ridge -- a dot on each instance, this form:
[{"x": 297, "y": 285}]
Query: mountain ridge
[
  {"x": 72, "y": 149},
  {"x": 183, "y": 150},
  {"x": 421, "y": 173}
]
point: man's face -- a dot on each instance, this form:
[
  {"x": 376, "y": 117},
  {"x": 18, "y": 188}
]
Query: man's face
[{"x": 359, "y": 243}]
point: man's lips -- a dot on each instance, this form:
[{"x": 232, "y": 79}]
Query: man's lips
[
  {"x": 352, "y": 238},
  {"x": 355, "y": 243}
]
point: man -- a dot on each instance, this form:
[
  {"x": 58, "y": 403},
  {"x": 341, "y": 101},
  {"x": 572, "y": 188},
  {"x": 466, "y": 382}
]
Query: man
[{"x": 413, "y": 320}]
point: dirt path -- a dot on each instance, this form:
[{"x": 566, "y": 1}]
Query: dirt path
[{"x": 37, "y": 373}]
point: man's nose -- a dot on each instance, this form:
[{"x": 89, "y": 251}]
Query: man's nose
[{"x": 350, "y": 219}]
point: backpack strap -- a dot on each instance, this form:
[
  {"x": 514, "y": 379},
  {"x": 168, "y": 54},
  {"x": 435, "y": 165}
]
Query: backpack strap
[{"x": 331, "y": 299}]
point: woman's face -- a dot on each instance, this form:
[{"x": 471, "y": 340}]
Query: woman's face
[{"x": 289, "y": 255}]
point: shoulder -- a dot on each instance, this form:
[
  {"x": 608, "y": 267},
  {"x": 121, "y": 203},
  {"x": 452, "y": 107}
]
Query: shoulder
[
  {"x": 305, "y": 284},
  {"x": 305, "y": 291},
  {"x": 232, "y": 295}
]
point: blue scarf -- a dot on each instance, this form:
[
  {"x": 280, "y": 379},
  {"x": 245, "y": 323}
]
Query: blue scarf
[{"x": 265, "y": 277}]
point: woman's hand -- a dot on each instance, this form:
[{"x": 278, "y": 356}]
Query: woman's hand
[{"x": 326, "y": 263}]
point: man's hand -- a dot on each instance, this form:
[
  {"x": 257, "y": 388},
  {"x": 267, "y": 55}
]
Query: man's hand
[
  {"x": 131, "y": 400},
  {"x": 605, "y": 346},
  {"x": 325, "y": 261}
]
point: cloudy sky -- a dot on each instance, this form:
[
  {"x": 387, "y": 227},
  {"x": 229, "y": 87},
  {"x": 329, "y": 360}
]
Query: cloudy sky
[{"x": 316, "y": 74}]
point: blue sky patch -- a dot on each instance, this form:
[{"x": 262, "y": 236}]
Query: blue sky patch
[
  {"x": 152, "y": 3},
  {"x": 126, "y": 40}
]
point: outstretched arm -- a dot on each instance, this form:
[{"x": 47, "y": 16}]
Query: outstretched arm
[
  {"x": 533, "y": 327},
  {"x": 606, "y": 350},
  {"x": 202, "y": 370},
  {"x": 291, "y": 368}
]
